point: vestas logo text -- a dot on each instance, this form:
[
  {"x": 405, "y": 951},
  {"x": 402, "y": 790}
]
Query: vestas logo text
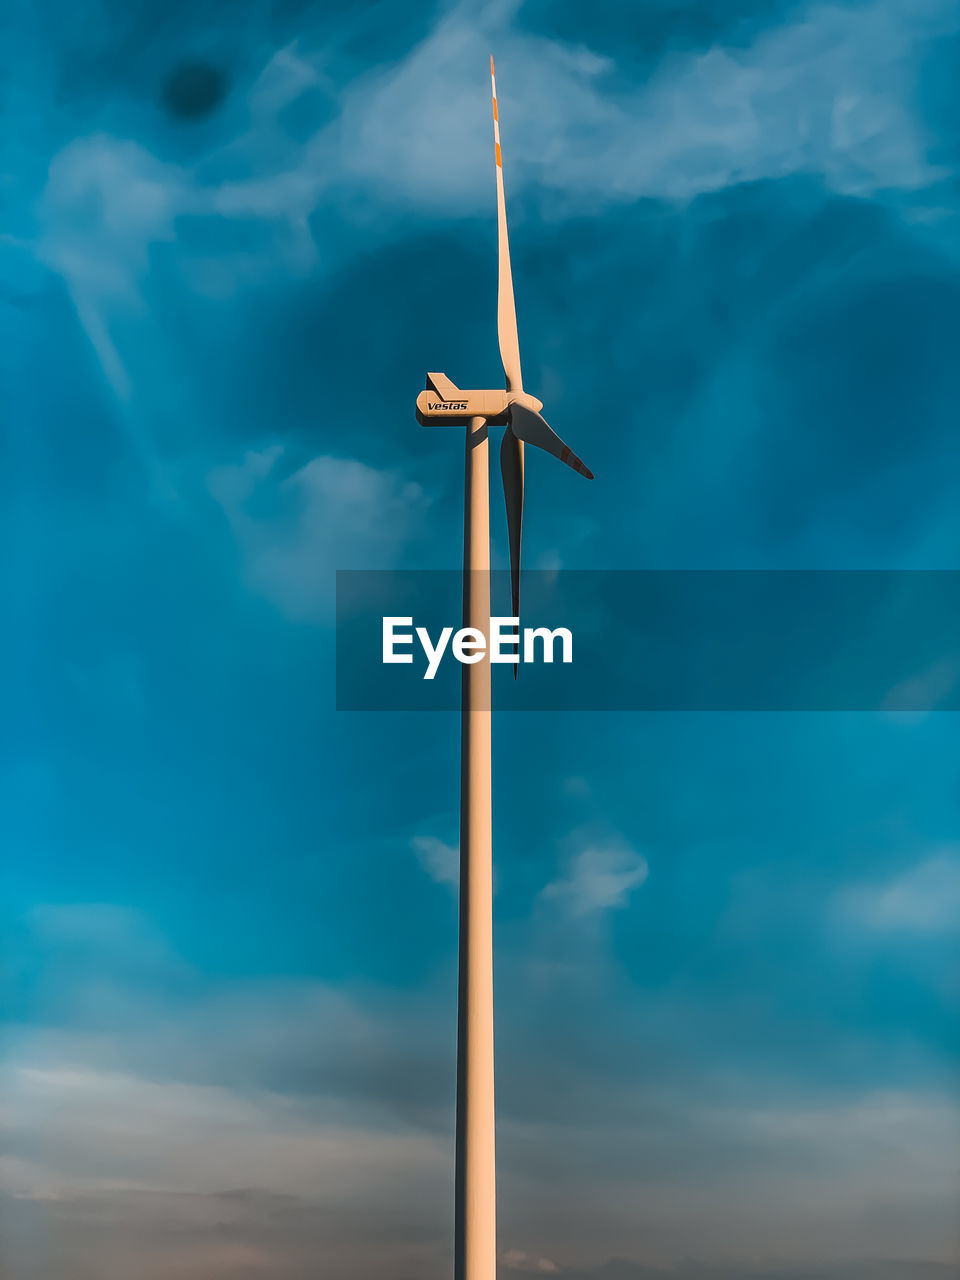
[{"x": 448, "y": 405}]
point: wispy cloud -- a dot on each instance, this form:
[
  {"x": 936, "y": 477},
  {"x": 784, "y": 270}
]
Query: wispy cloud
[
  {"x": 597, "y": 878},
  {"x": 111, "y": 1160},
  {"x": 828, "y": 94},
  {"x": 925, "y": 898},
  {"x": 119, "y": 1130},
  {"x": 928, "y": 689},
  {"x": 518, "y": 1260},
  {"x": 440, "y": 860},
  {"x": 294, "y": 530}
]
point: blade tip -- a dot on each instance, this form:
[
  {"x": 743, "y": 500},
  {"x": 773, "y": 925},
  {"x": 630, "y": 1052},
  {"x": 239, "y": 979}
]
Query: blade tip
[{"x": 491, "y": 64}]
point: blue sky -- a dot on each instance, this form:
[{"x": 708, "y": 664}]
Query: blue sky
[{"x": 727, "y": 975}]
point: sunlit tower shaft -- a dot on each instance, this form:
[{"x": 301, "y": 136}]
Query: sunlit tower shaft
[{"x": 475, "y": 1233}]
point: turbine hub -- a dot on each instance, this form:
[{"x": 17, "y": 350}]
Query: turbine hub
[{"x": 528, "y": 401}]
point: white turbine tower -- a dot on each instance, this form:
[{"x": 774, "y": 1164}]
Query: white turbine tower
[{"x": 475, "y": 1215}]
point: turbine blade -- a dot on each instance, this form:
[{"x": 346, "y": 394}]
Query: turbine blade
[
  {"x": 511, "y": 469},
  {"x": 506, "y": 308},
  {"x": 528, "y": 425},
  {"x": 444, "y": 388}
]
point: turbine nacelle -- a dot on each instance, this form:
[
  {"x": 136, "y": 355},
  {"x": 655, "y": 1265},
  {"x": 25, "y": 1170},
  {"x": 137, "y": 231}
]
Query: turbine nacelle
[{"x": 444, "y": 402}]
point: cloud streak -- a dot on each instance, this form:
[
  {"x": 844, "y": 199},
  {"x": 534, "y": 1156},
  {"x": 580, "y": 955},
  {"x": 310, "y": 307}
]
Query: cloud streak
[
  {"x": 598, "y": 878},
  {"x": 291, "y": 529},
  {"x": 440, "y": 860},
  {"x": 923, "y": 899}
]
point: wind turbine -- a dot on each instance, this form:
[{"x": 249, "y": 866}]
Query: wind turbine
[{"x": 443, "y": 402}]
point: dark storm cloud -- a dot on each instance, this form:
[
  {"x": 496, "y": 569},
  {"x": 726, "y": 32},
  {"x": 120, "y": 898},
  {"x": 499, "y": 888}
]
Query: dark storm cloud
[
  {"x": 194, "y": 89},
  {"x": 112, "y": 49}
]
